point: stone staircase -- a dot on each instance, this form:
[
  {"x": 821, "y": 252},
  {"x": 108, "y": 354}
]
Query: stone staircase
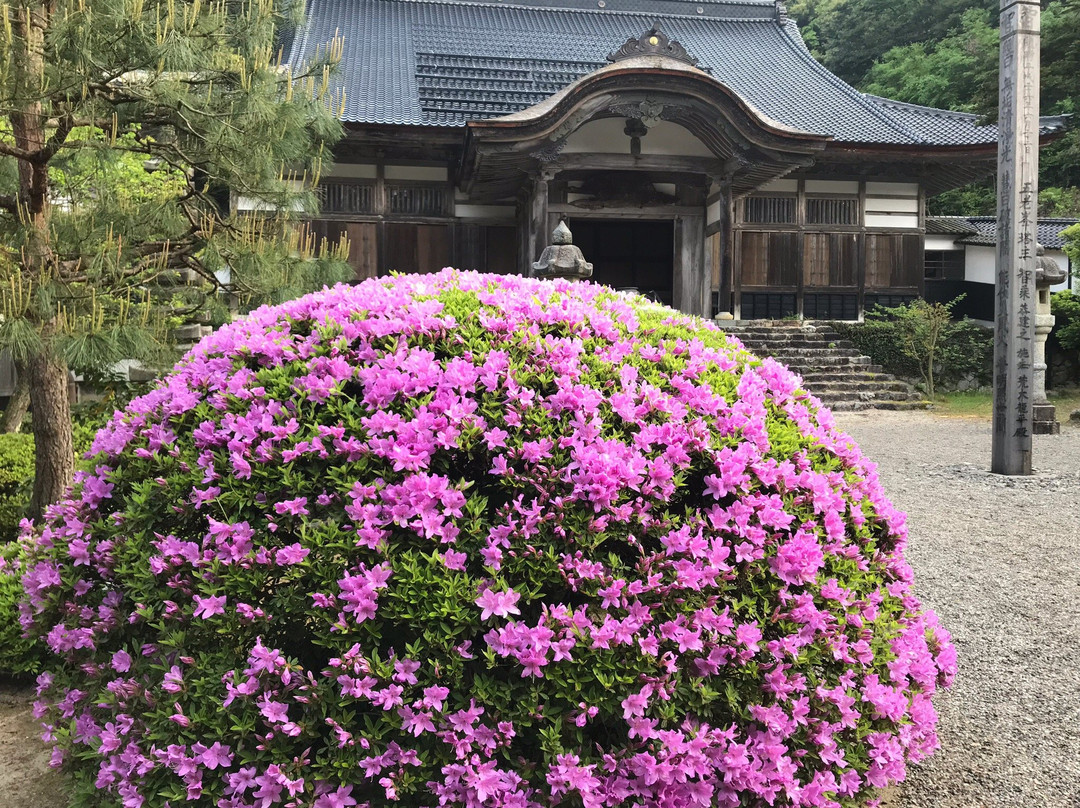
[{"x": 832, "y": 369}]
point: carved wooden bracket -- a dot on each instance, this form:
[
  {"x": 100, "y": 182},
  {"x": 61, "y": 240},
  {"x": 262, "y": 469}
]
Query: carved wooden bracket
[{"x": 652, "y": 42}]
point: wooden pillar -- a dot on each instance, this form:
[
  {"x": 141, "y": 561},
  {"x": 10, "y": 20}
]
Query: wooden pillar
[
  {"x": 692, "y": 282},
  {"x": 721, "y": 258},
  {"x": 538, "y": 234},
  {"x": 1015, "y": 294}
]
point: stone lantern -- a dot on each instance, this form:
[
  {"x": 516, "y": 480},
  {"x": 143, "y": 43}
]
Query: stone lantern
[
  {"x": 562, "y": 259},
  {"x": 1047, "y": 273}
]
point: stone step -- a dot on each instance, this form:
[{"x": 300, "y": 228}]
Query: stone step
[
  {"x": 856, "y": 406},
  {"x": 821, "y": 378},
  {"x": 855, "y": 386},
  {"x": 784, "y": 353},
  {"x": 789, "y": 339},
  {"x": 832, "y": 368},
  {"x": 823, "y": 360},
  {"x": 802, "y": 348}
]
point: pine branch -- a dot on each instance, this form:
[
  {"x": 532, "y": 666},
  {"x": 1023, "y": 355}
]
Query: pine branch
[
  {"x": 14, "y": 151},
  {"x": 58, "y": 138}
]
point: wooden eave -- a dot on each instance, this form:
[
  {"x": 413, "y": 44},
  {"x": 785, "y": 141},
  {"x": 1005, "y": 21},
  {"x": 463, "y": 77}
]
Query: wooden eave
[
  {"x": 937, "y": 167},
  {"x": 750, "y": 148},
  {"x": 363, "y": 142}
]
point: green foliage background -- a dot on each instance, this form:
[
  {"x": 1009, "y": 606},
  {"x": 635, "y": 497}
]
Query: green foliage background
[
  {"x": 966, "y": 349},
  {"x": 16, "y": 475},
  {"x": 944, "y": 53}
]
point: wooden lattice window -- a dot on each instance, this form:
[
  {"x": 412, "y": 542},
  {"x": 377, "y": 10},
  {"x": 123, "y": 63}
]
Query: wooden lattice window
[
  {"x": 347, "y": 196},
  {"x": 769, "y": 210},
  {"x": 419, "y": 199},
  {"x": 827, "y": 306},
  {"x": 768, "y": 305},
  {"x": 832, "y": 210},
  {"x": 944, "y": 265}
]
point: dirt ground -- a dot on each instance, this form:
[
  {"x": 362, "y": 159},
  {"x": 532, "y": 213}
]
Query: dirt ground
[{"x": 26, "y": 781}]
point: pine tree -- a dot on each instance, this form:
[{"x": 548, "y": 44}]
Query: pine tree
[{"x": 126, "y": 127}]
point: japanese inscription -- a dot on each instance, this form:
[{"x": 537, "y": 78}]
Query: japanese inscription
[{"x": 1018, "y": 143}]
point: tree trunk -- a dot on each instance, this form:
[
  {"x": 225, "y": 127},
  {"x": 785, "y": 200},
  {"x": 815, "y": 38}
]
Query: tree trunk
[
  {"x": 18, "y": 404},
  {"x": 54, "y": 461}
]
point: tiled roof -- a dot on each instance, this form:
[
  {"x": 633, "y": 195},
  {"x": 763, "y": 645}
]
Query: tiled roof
[
  {"x": 985, "y": 227},
  {"x": 949, "y": 226},
  {"x": 445, "y": 62},
  {"x": 948, "y": 127}
]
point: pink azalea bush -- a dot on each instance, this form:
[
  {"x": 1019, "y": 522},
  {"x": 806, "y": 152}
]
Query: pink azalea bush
[{"x": 471, "y": 540}]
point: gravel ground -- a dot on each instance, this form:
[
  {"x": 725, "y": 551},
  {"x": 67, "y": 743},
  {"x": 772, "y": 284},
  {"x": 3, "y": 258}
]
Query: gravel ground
[{"x": 999, "y": 560}]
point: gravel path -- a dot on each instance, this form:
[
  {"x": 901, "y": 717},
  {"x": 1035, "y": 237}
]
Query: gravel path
[{"x": 999, "y": 560}]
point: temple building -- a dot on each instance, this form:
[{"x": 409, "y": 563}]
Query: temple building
[{"x": 697, "y": 151}]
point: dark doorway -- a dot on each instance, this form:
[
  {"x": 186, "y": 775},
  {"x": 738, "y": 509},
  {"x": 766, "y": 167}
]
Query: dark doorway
[{"x": 629, "y": 254}]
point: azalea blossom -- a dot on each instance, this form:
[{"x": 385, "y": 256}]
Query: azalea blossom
[{"x": 498, "y": 604}]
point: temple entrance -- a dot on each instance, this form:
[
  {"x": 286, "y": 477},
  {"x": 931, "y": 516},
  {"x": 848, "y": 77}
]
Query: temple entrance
[{"x": 629, "y": 254}]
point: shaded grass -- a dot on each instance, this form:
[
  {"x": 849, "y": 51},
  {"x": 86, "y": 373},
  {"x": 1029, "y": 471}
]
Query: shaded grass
[{"x": 980, "y": 404}]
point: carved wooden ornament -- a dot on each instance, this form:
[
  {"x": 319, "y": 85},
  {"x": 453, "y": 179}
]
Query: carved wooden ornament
[{"x": 652, "y": 42}]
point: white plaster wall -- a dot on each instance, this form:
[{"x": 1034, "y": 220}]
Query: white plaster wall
[
  {"x": 427, "y": 173},
  {"x": 942, "y": 243},
  {"x": 484, "y": 211},
  {"x": 605, "y": 136},
  {"x": 981, "y": 265},
  {"x": 892, "y": 189},
  {"x": 351, "y": 171},
  {"x": 781, "y": 187},
  {"x": 850, "y": 187},
  {"x": 907, "y": 221},
  {"x": 247, "y": 203},
  {"x": 892, "y": 204}
]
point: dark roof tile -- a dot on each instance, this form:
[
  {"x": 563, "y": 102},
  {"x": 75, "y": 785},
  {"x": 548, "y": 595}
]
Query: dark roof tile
[
  {"x": 445, "y": 62},
  {"x": 949, "y": 226},
  {"x": 1049, "y": 231}
]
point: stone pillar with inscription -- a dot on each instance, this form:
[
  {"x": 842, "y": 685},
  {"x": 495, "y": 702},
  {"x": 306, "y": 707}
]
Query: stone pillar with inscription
[{"x": 1015, "y": 295}]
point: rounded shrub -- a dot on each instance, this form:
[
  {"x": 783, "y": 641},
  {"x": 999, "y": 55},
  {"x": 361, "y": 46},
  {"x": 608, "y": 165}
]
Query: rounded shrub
[
  {"x": 19, "y": 655},
  {"x": 473, "y": 540}
]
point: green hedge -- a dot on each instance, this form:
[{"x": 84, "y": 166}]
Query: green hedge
[
  {"x": 966, "y": 350},
  {"x": 16, "y": 478},
  {"x": 1065, "y": 306}
]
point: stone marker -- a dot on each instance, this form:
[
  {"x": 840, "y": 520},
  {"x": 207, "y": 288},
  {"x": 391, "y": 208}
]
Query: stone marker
[
  {"x": 1047, "y": 273},
  {"x": 1018, "y": 190}
]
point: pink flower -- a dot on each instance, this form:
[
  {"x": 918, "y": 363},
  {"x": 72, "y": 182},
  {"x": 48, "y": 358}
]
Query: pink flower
[
  {"x": 273, "y": 711},
  {"x": 454, "y": 560},
  {"x": 217, "y": 755},
  {"x": 173, "y": 681},
  {"x": 121, "y": 661},
  {"x": 290, "y": 554},
  {"x": 798, "y": 559},
  {"x": 341, "y": 798},
  {"x": 209, "y": 606},
  {"x": 296, "y": 507},
  {"x": 498, "y": 604}
]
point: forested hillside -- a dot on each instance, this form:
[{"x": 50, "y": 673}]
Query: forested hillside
[{"x": 944, "y": 53}]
